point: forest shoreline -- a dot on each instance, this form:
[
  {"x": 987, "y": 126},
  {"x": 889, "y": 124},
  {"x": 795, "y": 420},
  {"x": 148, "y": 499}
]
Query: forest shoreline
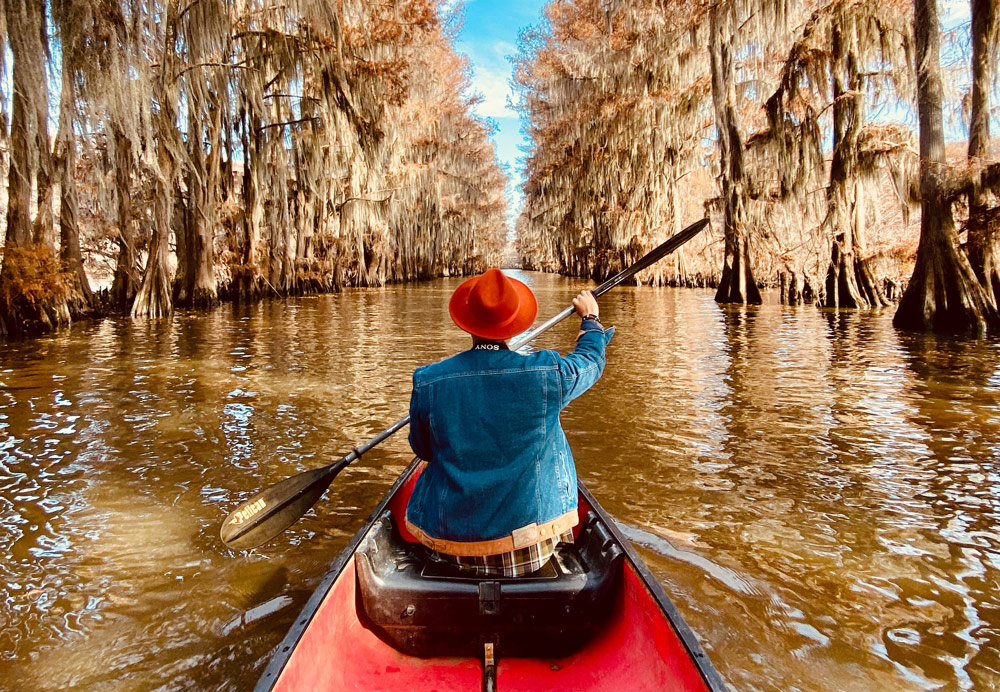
[{"x": 103, "y": 306}]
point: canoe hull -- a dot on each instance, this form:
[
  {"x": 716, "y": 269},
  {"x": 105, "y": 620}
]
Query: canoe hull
[{"x": 332, "y": 646}]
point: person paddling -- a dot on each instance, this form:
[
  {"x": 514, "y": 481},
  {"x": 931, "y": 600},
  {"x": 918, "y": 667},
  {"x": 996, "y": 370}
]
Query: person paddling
[{"x": 499, "y": 489}]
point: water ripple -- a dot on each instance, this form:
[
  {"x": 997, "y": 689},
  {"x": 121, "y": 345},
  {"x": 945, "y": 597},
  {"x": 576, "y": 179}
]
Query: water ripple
[{"x": 817, "y": 492}]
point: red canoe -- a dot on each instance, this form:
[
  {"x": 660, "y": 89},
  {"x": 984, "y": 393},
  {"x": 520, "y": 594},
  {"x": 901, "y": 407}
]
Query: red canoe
[{"x": 386, "y": 618}]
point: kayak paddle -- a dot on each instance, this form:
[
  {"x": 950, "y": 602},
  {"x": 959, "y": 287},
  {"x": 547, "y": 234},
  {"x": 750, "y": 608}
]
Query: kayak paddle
[{"x": 273, "y": 510}]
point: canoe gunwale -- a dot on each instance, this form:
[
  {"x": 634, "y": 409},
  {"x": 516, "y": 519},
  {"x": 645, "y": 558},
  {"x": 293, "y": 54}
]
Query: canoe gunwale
[
  {"x": 286, "y": 648},
  {"x": 687, "y": 636}
]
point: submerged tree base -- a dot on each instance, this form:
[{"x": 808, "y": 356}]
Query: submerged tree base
[
  {"x": 850, "y": 283},
  {"x": 34, "y": 292},
  {"x": 154, "y": 296},
  {"x": 737, "y": 284},
  {"x": 203, "y": 298},
  {"x": 944, "y": 295},
  {"x": 984, "y": 250},
  {"x": 795, "y": 289}
]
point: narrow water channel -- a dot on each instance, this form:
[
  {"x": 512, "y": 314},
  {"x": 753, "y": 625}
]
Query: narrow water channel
[{"x": 818, "y": 493}]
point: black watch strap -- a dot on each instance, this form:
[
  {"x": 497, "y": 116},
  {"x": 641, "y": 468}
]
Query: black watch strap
[{"x": 592, "y": 316}]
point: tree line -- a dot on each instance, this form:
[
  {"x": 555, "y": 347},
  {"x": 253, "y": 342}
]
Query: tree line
[
  {"x": 764, "y": 114},
  {"x": 231, "y": 149}
]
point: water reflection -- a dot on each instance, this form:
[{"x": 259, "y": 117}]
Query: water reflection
[{"x": 817, "y": 491}]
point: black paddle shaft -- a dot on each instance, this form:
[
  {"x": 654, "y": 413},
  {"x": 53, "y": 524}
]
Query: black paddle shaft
[{"x": 273, "y": 510}]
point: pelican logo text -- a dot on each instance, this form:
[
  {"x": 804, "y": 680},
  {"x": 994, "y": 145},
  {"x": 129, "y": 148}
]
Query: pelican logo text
[{"x": 247, "y": 512}]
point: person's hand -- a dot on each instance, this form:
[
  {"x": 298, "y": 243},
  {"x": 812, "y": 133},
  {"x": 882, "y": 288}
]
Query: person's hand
[{"x": 586, "y": 304}]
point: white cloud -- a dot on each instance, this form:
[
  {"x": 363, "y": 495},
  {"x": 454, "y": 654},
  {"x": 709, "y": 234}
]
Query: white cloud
[
  {"x": 501, "y": 49},
  {"x": 490, "y": 77},
  {"x": 494, "y": 88}
]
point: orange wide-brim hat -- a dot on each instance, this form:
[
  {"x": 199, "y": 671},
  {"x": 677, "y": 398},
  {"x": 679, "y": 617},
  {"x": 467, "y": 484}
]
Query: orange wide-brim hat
[{"x": 493, "y": 306}]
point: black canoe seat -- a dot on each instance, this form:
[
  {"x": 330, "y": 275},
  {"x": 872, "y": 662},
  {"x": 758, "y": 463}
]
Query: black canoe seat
[{"x": 425, "y": 608}]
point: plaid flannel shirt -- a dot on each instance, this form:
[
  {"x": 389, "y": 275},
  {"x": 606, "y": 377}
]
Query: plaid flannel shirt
[{"x": 518, "y": 563}]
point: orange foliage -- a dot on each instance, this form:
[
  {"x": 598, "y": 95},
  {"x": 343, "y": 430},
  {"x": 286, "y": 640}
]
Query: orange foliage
[{"x": 33, "y": 275}]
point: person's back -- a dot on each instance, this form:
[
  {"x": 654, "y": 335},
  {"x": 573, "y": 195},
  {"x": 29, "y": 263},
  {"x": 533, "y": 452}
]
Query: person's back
[{"x": 500, "y": 484}]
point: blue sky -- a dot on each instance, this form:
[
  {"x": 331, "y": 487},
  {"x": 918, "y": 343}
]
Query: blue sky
[{"x": 489, "y": 37}]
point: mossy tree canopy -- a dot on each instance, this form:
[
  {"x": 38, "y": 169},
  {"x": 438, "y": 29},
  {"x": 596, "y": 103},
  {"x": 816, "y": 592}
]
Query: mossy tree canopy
[{"x": 241, "y": 148}]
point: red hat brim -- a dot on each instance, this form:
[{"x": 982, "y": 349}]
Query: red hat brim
[{"x": 527, "y": 311}]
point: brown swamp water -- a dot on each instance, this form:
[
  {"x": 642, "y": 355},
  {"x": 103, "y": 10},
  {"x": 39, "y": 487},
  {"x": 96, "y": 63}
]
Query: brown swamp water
[{"x": 818, "y": 493}]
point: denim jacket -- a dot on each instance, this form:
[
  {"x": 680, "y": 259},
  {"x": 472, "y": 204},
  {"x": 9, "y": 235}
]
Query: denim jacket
[{"x": 487, "y": 421}]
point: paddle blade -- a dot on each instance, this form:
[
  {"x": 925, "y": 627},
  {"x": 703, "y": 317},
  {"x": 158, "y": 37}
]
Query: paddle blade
[{"x": 270, "y": 512}]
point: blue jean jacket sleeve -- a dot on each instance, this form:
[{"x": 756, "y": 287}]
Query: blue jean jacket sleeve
[
  {"x": 420, "y": 429},
  {"x": 582, "y": 367}
]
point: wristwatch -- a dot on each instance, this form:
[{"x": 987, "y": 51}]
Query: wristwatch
[{"x": 592, "y": 316}]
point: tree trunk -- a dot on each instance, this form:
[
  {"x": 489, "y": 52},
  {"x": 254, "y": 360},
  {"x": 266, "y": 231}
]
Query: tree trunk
[
  {"x": 153, "y": 298},
  {"x": 205, "y": 100},
  {"x": 32, "y": 287},
  {"x": 792, "y": 291},
  {"x": 4, "y": 144},
  {"x": 984, "y": 223},
  {"x": 850, "y": 282},
  {"x": 279, "y": 273},
  {"x": 22, "y": 23},
  {"x": 737, "y": 284},
  {"x": 195, "y": 284},
  {"x": 246, "y": 276},
  {"x": 943, "y": 294},
  {"x": 126, "y": 279},
  {"x": 69, "y": 235},
  {"x": 44, "y": 224},
  {"x": 69, "y": 228},
  {"x": 206, "y": 285},
  {"x": 676, "y": 225}
]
